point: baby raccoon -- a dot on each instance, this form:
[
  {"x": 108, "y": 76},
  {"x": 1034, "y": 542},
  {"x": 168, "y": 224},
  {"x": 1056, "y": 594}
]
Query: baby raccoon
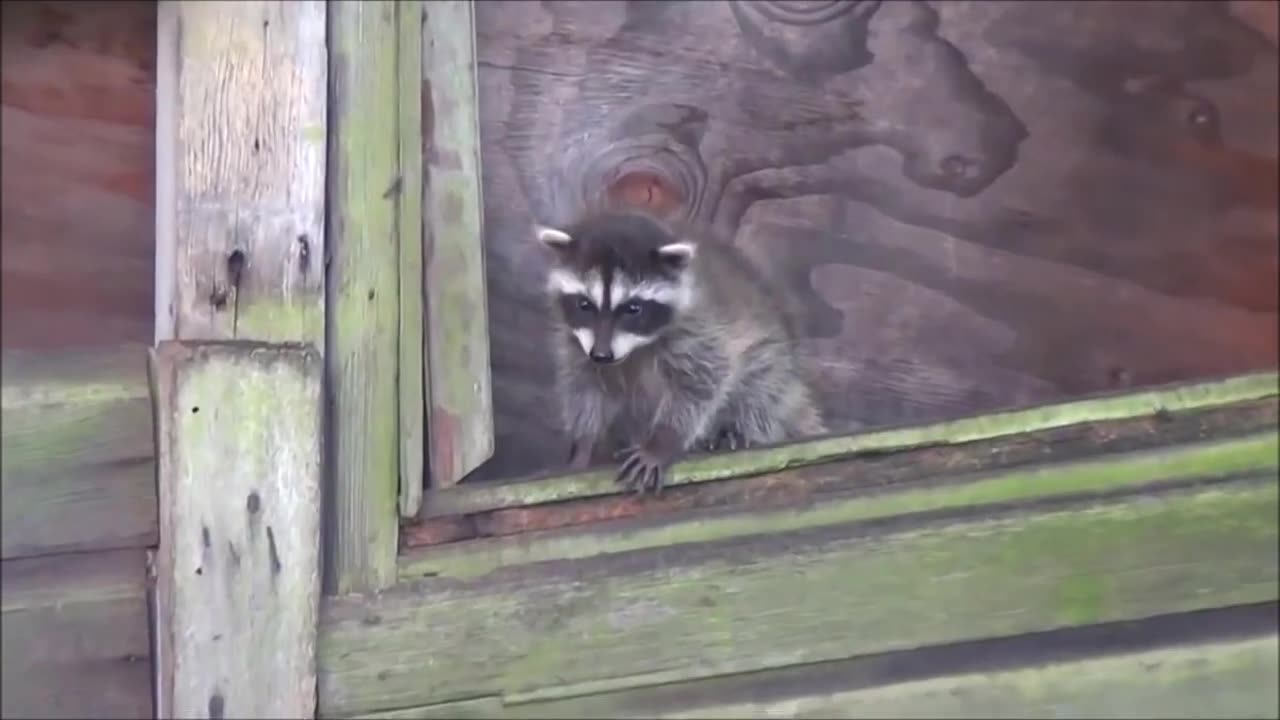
[{"x": 666, "y": 343}]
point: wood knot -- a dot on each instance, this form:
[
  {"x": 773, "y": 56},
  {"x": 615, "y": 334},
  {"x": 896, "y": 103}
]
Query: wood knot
[{"x": 645, "y": 190}]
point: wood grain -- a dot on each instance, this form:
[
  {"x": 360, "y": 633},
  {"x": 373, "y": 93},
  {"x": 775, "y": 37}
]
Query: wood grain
[
  {"x": 240, "y": 480},
  {"x": 460, "y": 427},
  {"x": 1017, "y": 222},
  {"x": 78, "y": 451},
  {"x": 1231, "y": 678},
  {"x": 240, "y": 158},
  {"x": 551, "y": 630},
  {"x": 410, "y": 27},
  {"x": 1197, "y": 664},
  {"x": 77, "y": 261},
  {"x": 363, "y": 299},
  {"x": 1017, "y": 468},
  {"x": 722, "y": 466},
  {"x": 76, "y": 636}
]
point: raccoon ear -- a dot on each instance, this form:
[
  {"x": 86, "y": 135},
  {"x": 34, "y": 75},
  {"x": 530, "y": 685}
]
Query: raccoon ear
[
  {"x": 677, "y": 255},
  {"x": 551, "y": 237}
]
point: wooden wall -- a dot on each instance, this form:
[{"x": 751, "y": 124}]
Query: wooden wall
[
  {"x": 971, "y": 204},
  {"x": 78, "y": 166},
  {"x": 76, "y": 289}
]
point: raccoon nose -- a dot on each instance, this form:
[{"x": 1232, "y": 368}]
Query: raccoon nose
[{"x": 599, "y": 355}]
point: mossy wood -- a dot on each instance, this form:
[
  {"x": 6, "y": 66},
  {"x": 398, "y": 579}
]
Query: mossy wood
[
  {"x": 239, "y": 561},
  {"x": 460, "y": 417},
  {"x": 1234, "y": 677},
  {"x": 78, "y": 457},
  {"x": 706, "y": 468},
  {"x": 1031, "y": 542},
  {"x": 363, "y": 296},
  {"x": 74, "y": 636},
  {"x": 240, "y": 165},
  {"x": 412, "y": 379}
]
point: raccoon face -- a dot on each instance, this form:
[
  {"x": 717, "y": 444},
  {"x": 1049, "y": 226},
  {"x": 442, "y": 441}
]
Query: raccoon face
[{"x": 618, "y": 282}]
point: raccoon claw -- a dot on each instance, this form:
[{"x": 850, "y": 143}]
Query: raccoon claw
[
  {"x": 641, "y": 471},
  {"x": 728, "y": 438}
]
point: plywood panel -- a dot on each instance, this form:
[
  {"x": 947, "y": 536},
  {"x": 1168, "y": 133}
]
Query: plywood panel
[{"x": 971, "y": 205}]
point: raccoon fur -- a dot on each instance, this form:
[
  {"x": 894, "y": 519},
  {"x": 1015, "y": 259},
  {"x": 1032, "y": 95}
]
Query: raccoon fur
[{"x": 666, "y": 341}]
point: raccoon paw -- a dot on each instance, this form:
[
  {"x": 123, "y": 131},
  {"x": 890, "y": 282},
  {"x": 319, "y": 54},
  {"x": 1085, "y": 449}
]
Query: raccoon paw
[
  {"x": 728, "y": 437},
  {"x": 642, "y": 471}
]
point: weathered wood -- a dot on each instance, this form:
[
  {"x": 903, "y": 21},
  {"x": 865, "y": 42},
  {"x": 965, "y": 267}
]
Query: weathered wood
[
  {"x": 412, "y": 378},
  {"x": 363, "y": 311},
  {"x": 953, "y": 240},
  {"x": 1226, "y": 679},
  {"x": 876, "y": 497},
  {"x": 552, "y": 629},
  {"x": 240, "y": 482},
  {"x": 74, "y": 634},
  {"x": 240, "y": 171},
  {"x": 76, "y": 205},
  {"x": 77, "y": 460},
  {"x": 1172, "y": 398},
  {"x": 460, "y": 401},
  {"x": 819, "y": 484}
]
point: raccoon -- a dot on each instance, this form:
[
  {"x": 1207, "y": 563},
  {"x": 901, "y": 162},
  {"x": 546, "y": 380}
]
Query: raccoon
[{"x": 666, "y": 341}]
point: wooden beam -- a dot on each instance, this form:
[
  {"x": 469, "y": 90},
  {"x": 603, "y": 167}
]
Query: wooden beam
[
  {"x": 816, "y": 491},
  {"x": 240, "y": 171},
  {"x": 1227, "y": 678},
  {"x": 77, "y": 458},
  {"x": 875, "y": 497},
  {"x": 240, "y": 484},
  {"x": 551, "y": 629},
  {"x": 74, "y": 636},
  {"x": 460, "y": 416},
  {"x": 410, "y": 27},
  {"x": 363, "y": 311},
  {"x": 708, "y": 468}
]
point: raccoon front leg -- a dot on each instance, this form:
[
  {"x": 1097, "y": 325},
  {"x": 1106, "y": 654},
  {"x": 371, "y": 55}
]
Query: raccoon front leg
[
  {"x": 691, "y": 400},
  {"x": 586, "y": 418}
]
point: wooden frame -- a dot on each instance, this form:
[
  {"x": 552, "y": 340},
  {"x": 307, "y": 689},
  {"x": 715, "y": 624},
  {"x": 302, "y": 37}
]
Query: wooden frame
[{"x": 348, "y": 232}]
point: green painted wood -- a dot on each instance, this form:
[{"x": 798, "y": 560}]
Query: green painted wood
[
  {"x": 363, "y": 294},
  {"x": 644, "y": 618},
  {"x": 478, "y": 498},
  {"x": 1256, "y": 453},
  {"x": 1235, "y": 679},
  {"x": 239, "y": 558},
  {"x": 76, "y": 451},
  {"x": 460, "y": 426},
  {"x": 74, "y": 636},
  {"x": 409, "y": 29}
]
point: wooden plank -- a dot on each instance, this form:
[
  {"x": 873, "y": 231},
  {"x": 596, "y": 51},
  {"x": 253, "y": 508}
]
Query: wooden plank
[
  {"x": 77, "y": 457},
  {"x": 75, "y": 636},
  {"x": 1169, "y": 398},
  {"x": 1235, "y": 678},
  {"x": 76, "y": 209},
  {"x": 240, "y": 171},
  {"x": 240, "y": 482},
  {"x": 876, "y": 500},
  {"x": 552, "y": 629},
  {"x": 360, "y": 537},
  {"x": 461, "y": 404},
  {"x": 820, "y": 485},
  {"x": 410, "y": 27}
]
